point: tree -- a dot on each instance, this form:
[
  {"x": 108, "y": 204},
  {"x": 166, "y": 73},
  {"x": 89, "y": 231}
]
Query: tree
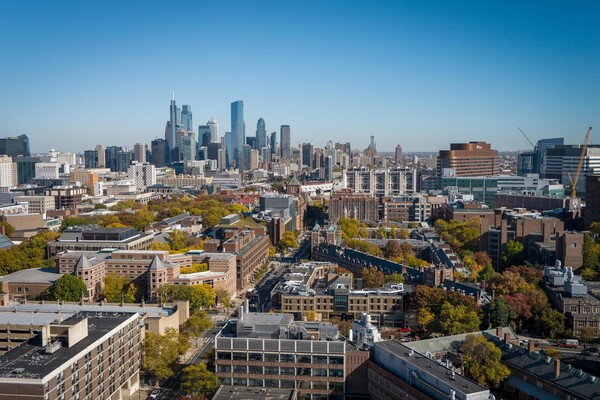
[
  {"x": 66, "y": 288},
  {"x": 198, "y": 295},
  {"x": 311, "y": 315},
  {"x": 394, "y": 278},
  {"x": 510, "y": 282},
  {"x": 365, "y": 247},
  {"x": 223, "y": 297},
  {"x": 501, "y": 313},
  {"x": 372, "y": 277},
  {"x": 131, "y": 294},
  {"x": 552, "y": 353},
  {"x": 550, "y": 322},
  {"x": 197, "y": 324},
  {"x": 461, "y": 235},
  {"x": 177, "y": 240},
  {"x": 161, "y": 352},
  {"x": 591, "y": 256},
  {"x": 8, "y": 229},
  {"x": 513, "y": 254},
  {"x": 114, "y": 287},
  {"x": 454, "y": 320},
  {"x": 288, "y": 239},
  {"x": 197, "y": 380},
  {"x": 482, "y": 361}
]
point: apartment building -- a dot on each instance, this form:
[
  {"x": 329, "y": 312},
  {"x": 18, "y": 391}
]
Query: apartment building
[
  {"x": 66, "y": 196},
  {"x": 469, "y": 159},
  {"x": 360, "y": 206},
  {"x": 380, "y": 182},
  {"x": 38, "y": 204},
  {"x": 88, "y": 356},
  {"x": 98, "y": 239}
]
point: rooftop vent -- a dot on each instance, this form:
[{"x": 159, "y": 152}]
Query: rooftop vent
[{"x": 52, "y": 348}]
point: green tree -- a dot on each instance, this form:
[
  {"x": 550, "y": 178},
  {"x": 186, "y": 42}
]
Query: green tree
[
  {"x": 66, "y": 288},
  {"x": 223, "y": 297},
  {"x": 8, "y": 228},
  {"x": 161, "y": 352},
  {"x": 131, "y": 294},
  {"x": 461, "y": 235},
  {"x": 513, "y": 254},
  {"x": 177, "y": 240},
  {"x": 482, "y": 361},
  {"x": 394, "y": 278},
  {"x": 501, "y": 313},
  {"x": 454, "y": 320},
  {"x": 550, "y": 322},
  {"x": 114, "y": 288},
  {"x": 197, "y": 324},
  {"x": 197, "y": 380},
  {"x": 591, "y": 256}
]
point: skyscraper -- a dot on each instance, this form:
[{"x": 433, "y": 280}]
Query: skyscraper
[
  {"x": 90, "y": 159},
  {"x": 101, "y": 155},
  {"x": 285, "y": 142},
  {"x": 238, "y": 132},
  {"x": 273, "y": 142},
  {"x": 188, "y": 148},
  {"x": 15, "y": 146},
  {"x": 307, "y": 154},
  {"x": 398, "y": 155},
  {"x": 229, "y": 150},
  {"x": 214, "y": 130},
  {"x": 204, "y": 135},
  {"x": 139, "y": 152},
  {"x": 110, "y": 157},
  {"x": 173, "y": 122},
  {"x": 159, "y": 151},
  {"x": 186, "y": 117},
  {"x": 261, "y": 134},
  {"x": 373, "y": 144}
]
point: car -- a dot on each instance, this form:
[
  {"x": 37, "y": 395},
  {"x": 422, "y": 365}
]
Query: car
[
  {"x": 593, "y": 349},
  {"x": 154, "y": 394},
  {"x": 586, "y": 353}
]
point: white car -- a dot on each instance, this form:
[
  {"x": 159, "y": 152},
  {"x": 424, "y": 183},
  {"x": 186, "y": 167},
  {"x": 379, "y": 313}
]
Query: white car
[{"x": 154, "y": 394}]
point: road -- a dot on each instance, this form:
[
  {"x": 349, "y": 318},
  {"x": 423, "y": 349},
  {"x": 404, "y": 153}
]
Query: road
[{"x": 261, "y": 302}]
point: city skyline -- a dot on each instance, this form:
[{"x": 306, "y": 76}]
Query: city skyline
[{"x": 445, "y": 73}]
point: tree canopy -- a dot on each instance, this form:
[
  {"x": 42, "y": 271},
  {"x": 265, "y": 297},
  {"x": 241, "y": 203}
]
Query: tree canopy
[
  {"x": 372, "y": 277},
  {"x": 482, "y": 361},
  {"x": 197, "y": 380},
  {"x": 461, "y": 235},
  {"x": 161, "y": 352},
  {"x": 31, "y": 253},
  {"x": 66, "y": 288},
  {"x": 198, "y": 295},
  {"x": 117, "y": 288}
]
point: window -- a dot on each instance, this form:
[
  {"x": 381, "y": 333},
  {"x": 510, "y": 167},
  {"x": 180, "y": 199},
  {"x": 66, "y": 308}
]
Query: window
[{"x": 271, "y": 357}]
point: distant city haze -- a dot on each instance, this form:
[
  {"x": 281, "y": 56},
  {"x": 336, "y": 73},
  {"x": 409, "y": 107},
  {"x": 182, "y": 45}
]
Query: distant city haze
[{"x": 421, "y": 74}]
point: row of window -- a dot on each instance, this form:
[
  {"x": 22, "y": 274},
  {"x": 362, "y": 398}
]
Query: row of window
[
  {"x": 283, "y": 357},
  {"x": 288, "y": 371},
  {"x": 275, "y": 383}
]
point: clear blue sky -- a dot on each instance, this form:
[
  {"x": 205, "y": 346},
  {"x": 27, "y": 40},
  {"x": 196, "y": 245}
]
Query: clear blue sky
[{"x": 421, "y": 74}]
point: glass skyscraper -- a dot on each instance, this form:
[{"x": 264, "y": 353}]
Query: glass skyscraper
[
  {"x": 186, "y": 118},
  {"x": 238, "y": 128},
  {"x": 261, "y": 135},
  {"x": 285, "y": 142}
]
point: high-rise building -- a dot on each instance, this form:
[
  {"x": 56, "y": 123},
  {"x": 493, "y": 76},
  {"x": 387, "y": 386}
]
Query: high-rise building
[
  {"x": 562, "y": 162},
  {"x": 373, "y": 144},
  {"x": 229, "y": 150},
  {"x": 261, "y": 134},
  {"x": 470, "y": 159},
  {"x": 142, "y": 175},
  {"x": 123, "y": 161},
  {"x": 101, "y": 155},
  {"x": 139, "y": 152},
  {"x": 273, "y": 142},
  {"x": 285, "y": 142},
  {"x": 188, "y": 148},
  {"x": 329, "y": 168},
  {"x": 8, "y": 173},
  {"x": 110, "y": 157},
  {"x": 204, "y": 135},
  {"x": 238, "y": 130},
  {"x": 15, "y": 146},
  {"x": 173, "y": 122},
  {"x": 308, "y": 150},
  {"x": 186, "y": 117},
  {"x": 398, "y": 154},
  {"x": 159, "y": 151},
  {"x": 90, "y": 159},
  {"x": 214, "y": 130},
  {"x": 592, "y": 200},
  {"x": 26, "y": 169}
]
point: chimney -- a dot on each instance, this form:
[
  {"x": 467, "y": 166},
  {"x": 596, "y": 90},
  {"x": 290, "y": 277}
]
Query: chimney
[
  {"x": 506, "y": 337},
  {"x": 247, "y": 303},
  {"x": 483, "y": 286},
  {"x": 499, "y": 332},
  {"x": 493, "y": 295},
  {"x": 530, "y": 346},
  {"x": 556, "y": 367}
]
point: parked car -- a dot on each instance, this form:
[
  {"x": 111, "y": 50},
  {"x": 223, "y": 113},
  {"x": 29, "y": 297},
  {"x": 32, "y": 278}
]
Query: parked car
[
  {"x": 569, "y": 343},
  {"x": 154, "y": 394}
]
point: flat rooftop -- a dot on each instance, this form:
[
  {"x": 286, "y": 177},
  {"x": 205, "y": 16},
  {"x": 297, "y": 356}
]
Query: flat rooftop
[
  {"x": 71, "y": 309},
  {"x": 30, "y": 361},
  {"x": 248, "y": 393},
  {"x": 32, "y": 275}
]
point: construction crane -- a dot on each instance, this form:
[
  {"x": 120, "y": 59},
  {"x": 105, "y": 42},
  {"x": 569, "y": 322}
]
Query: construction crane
[
  {"x": 581, "y": 158},
  {"x": 525, "y": 136}
]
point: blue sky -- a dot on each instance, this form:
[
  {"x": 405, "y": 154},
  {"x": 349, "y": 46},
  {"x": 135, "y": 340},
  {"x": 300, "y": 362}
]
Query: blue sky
[{"x": 421, "y": 74}]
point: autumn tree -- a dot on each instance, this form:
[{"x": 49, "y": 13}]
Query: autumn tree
[
  {"x": 454, "y": 320},
  {"x": 392, "y": 249},
  {"x": 372, "y": 277},
  {"x": 198, "y": 295},
  {"x": 394, "y": 278},
  {"x": 66, "y": 288},
  {"x": 9, "y": 230},
  {"x": 512, "y": 254},
  {"x": 223, "y": 297},
  {"x": 197, "y": 380},
  {"x": 197, "y": 324},
  {"x": 591, "y": 256},
  {"x": 117, "y": 288},
  {"x": 461, "y": 235},
  {"x": 161, "y": 352},
  {"x": 482, "y": 361},
  {"x": 288, "y": 239}
]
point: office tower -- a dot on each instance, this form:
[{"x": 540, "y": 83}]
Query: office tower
[
  {"x": 307, "y": 154},
  {"x": 15, "y": 146},
  {"x": 229, "y": 150},
  {"x": 285, "y": 142},
  {"x": 527, "y": 163},
  {"x": 26, "y": 169},
  {"x": 90, "y": 159},
  {"x": 139, "y": 152},
  {"x": 238, "y": 131},
  {"x": 541, "y": 149},
  {"x": 123, "y": 161},
  {"x": 142, "y": 175},
  {"x": 188, "y": 148},
  {"x": 8, "y": 173},
  {"x": 110, "y": 156},
  {"x": 273, "y": 142},
  {"x": 348, "y": 149},
  {"x": 592, "y": 200},
  {"x": 253, "y": 159},
  {"x": 329, "y": 168},
  {"x": 562, "y": 161},
  {"x": 186, "y": 117},
  {"x": 469, "y": 159},
  {"x": 173, "y": 122},
  {"x": 373, "y": 145},
  {"x": 212, "y": 151},
  {"x": 251, "y": 141},
  {"x": 214, "y": 130},
  {"x": 101, "y": 155},
  {"x": 261, "y": 134},
  {"x": 398, "y": 154},
  {"x": 159, "y": 152},
  {"x": 204, "y": 135},
  {"x": 246, "y": 158}
]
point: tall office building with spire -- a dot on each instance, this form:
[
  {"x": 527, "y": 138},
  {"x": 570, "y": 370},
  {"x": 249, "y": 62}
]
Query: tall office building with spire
[
  {"x": 238, "y": 131},
  {"x": 186, "y": 118},
  {"x": 213, "y": 125},
  {"x": 261, "y": 134},
  {"x": 173, "y": 122}
]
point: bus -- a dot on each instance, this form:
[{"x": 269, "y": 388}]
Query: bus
[{"x": 570, "y": 343}]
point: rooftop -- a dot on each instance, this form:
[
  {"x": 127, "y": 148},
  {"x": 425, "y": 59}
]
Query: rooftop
[
  {"x": 248, "y": 393},
  {"x": 32, "y": 275}
]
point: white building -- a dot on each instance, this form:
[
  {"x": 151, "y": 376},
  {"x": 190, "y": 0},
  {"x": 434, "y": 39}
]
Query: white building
[
  {"x": 142, "y": 175},
  {"x": 47, "y": 170},
  {"x": 38, "y": 204},
  {"x": 8, "y": 173},
  {"x": 364, "y": 333},
  {"x": 380, "y": 182}
]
